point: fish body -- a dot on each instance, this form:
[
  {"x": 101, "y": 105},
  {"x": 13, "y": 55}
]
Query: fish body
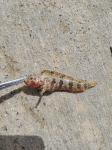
[{"x": 51, "y": 81}]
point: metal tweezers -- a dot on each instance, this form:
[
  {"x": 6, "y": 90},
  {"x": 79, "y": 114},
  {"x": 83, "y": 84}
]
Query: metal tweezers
[{"x": 11, "y": 83}]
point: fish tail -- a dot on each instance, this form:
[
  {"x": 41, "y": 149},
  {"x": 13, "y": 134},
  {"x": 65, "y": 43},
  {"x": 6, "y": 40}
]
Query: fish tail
[{"x": 91, "y": 85}]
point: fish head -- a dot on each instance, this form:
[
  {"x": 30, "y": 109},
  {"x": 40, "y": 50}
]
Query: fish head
[{"x": 33, "y": 81}]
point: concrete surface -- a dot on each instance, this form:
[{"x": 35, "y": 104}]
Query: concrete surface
[{"x": 70, "y": 36}]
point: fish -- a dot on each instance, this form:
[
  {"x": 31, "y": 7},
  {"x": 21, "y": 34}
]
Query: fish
[{"x": 52, "y": 81}]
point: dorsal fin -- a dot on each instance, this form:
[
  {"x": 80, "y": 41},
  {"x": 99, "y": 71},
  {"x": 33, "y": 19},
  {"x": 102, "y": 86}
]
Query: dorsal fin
[
  {"x": 59, "y": 75},
  {"x": 56, "y": 74}
]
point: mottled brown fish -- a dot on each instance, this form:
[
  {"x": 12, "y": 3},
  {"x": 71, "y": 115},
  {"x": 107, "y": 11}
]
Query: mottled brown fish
[{"x": 50, "y": 81}]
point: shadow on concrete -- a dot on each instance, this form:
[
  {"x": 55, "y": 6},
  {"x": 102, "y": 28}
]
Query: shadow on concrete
[
  {"x": 10, "y": 94},
  {"x": 27, "y": 90},
  {"x": 24, "y": 89},
  {"x": 21, "y": 143}
]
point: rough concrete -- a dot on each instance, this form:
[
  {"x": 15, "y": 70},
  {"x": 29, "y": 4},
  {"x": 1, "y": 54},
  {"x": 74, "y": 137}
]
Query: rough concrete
[{"x": 70, "y": 36}]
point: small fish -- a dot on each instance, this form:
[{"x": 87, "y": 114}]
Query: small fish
[{"x": 51, "y": 81}]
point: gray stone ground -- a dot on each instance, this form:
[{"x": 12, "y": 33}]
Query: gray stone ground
[{"x": 70, "y": 36}]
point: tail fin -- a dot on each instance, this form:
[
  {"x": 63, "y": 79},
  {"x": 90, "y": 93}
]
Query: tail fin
[{"x": 91, "y": 84}]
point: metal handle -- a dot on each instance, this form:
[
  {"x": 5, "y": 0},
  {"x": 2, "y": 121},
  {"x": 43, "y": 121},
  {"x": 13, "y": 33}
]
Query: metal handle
[{"x": 11, "y": 83}]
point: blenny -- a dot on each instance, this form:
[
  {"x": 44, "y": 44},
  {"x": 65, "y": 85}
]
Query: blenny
[{"x": 51, "y": 81}]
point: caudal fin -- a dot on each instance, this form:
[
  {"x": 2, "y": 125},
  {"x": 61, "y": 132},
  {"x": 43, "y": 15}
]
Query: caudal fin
[{"x": 91, "y": 84}]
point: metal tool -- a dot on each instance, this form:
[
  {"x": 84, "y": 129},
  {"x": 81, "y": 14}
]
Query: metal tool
[{"x": 12, "y": 82}]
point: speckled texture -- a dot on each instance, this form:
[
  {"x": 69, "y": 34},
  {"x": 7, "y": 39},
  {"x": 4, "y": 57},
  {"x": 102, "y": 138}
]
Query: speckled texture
[{"x": 69, "y": 36}]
